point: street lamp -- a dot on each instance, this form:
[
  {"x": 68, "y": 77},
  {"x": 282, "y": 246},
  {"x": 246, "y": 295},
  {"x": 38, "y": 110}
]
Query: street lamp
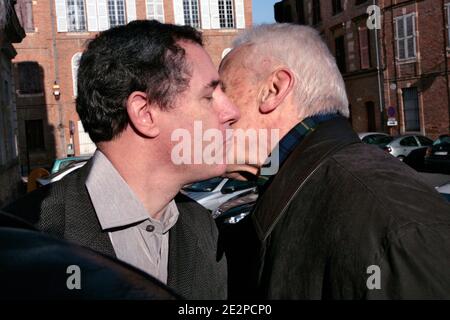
[{"x": 56, "y": 90}]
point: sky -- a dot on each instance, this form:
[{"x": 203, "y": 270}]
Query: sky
[{"x": 263, "y": 11}]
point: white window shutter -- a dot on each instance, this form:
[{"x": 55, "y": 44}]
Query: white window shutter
[
  {"x": 178, "y": 11},
  {"x": 131, "y": 10},
  {"x": 61, "y": 15},
  {"x": 214, "y": 9},
  {"x": 102, "y": 11},
  {"x": 206, "y": 19},
  {"x": 240, "y": 14},
  {"x": 159, "y": 9},
  {"x": 91, "y": 10}
]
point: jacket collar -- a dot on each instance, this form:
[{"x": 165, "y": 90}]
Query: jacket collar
[{"x": 328, "y": 138}]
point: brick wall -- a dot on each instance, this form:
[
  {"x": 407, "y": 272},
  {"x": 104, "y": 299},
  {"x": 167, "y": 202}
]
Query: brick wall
[{"x": 55, "y": 59}]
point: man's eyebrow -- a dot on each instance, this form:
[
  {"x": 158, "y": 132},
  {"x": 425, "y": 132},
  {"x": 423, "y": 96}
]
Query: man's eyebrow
[{"x": 213, "y": 84}]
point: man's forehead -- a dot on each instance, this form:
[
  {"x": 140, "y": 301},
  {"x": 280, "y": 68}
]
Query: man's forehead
[{"x": 237, "y": 57}]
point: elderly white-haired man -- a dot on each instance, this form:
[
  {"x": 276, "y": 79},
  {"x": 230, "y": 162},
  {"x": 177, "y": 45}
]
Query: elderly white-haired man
[{"x": 340, "y": 219}]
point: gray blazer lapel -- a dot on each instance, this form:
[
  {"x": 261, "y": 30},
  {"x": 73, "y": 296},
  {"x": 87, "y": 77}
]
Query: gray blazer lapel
[
  {"x": 183, "y": 250},
  {"x": 82, "y": 225}
]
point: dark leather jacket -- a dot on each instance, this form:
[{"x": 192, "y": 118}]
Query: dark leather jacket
[{"x": 338, "y": 207}]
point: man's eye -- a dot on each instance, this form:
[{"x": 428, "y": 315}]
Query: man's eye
[{"x": 209, "y": 98}]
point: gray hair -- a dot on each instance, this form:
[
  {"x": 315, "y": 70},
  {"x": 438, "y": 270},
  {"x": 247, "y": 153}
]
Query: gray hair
[{"x": 319, "y": 87}]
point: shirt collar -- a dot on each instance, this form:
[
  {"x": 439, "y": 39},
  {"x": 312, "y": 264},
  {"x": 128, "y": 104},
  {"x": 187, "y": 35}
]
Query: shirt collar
[
  {"x": 292, "y": 139},
  {"x": 115, "y": 204}
]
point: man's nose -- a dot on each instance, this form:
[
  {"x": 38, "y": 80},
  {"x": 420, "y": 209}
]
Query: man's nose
[{"x": 229, "y": 112}]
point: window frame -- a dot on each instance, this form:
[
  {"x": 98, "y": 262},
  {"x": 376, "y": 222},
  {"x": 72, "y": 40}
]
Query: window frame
[
  {"x": 155, "y": 4},
  {"x": 39, "y": 80},
  {"x": 336, "y": 7},
  {"x": 116, "y": 12},
  {"x": 190, "y": 13},
  {"x": 77, "y": 27},
  {"x": 418, "y": 128},
  {"x": 228, "y": 21},
  {"x": 406, "y": 37}
]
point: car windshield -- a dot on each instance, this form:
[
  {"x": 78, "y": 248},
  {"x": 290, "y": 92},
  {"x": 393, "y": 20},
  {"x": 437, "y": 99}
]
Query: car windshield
[
  {"x": 444, "y": 139},
  {"x": 204, "y": 186}
]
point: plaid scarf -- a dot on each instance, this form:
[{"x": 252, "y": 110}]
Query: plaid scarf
[{"x": 291, "y": 140}]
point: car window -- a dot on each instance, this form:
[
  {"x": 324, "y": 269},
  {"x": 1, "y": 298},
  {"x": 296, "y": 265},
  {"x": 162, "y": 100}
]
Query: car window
[
  {"x": 65, "y": 164},
  {"x": 444, "y": 139},
  {"x": 384, "y": 140},
  {"x": 409, "y": 142},
  {"x": 373, "y": 138},
  {"x": 237, "y": 185},
  {"x": 425, "y": 141},
  {"x": 205, "y": 185}
]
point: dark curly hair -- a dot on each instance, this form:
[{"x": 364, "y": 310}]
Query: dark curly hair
[{"x": 140, "y": 56}]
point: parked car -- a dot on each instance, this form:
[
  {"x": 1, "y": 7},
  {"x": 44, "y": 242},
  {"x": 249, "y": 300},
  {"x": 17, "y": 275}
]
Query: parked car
[
  {"x": 213, "y": 192},
  {"x": 444, "y": 190},
  {"x": 53, "y": 177},
  {"x": 62, "y": 163},
  {"x": 437, "y": 157},
  {"x": 401, "y": 146},
  {"x": 236, "y": 208},
  {"x": 375, "y": 138}
]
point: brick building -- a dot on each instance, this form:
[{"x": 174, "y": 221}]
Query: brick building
[
  {"x": 11, "y": 32},
  {"x": 411, "y": 84},
  {"x": 47, "y": 60}
]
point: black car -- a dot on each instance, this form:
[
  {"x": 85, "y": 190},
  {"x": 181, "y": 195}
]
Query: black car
[{"x": 437, "y": 157}]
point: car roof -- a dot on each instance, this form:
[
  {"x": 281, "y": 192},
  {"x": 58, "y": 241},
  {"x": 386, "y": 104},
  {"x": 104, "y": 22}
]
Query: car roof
[{"x": 363, "y": 134}]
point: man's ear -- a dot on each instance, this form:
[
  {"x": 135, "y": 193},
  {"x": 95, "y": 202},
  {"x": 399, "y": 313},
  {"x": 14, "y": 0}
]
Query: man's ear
[
  {"x": 277, "y": 86},
  {"x": 143, "y": 114}
]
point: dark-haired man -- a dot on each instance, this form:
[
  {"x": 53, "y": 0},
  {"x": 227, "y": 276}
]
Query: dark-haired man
[{"x": 137, "y": 85}]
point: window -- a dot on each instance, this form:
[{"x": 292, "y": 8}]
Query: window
[
  {"x": 409, "y": 142},
  {"x": 155, "y": 10},
  {"x": 30, "y": 78},
  {"x": 75, "y": 64},
  {"x": 336, "y": 5},
  {"x": 316, "y": 12},
  {"x": 116, "y": 12},
  {"x": 424, "y": 141},
  {"x": 34, "y": 130},
  {"x": 300, "y": 11},
  {"x": 339, "y": 43},
  {"x": 364, "y": 47},
  {"x": 190, "y": 9},
  {"x": 226, "y": 15},
  {"x": 406, "y": 36},
  {"x": 76, "y": 18},
  {"x": 411, "y": 109}
]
